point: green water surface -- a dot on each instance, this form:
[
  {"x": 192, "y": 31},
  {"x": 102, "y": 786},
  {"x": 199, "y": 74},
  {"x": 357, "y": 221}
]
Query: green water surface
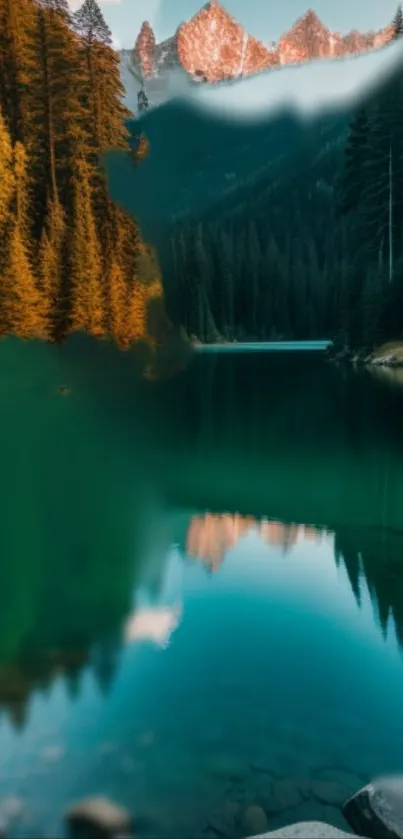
[{"x": 201, "y": 587}]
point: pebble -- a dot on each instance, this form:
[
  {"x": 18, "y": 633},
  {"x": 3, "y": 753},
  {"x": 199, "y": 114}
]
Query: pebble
[{"x": 101, "y": 815}]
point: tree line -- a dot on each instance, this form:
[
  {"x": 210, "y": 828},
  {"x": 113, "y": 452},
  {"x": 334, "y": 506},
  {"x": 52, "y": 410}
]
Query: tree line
[
  {"x": 319, "y": 254},
  {"x": 69, "y": 260}
]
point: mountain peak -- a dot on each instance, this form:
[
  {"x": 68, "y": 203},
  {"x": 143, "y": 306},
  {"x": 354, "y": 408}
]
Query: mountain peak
[
  {"x": 144, "y": 49},
  {"x": 213, "y": 46},
  {"x": 213, "y": 43}
]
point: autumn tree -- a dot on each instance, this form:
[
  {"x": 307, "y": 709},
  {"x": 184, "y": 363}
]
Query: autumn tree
[
  {"x": 7, "y": 178},
  {"x": 21, "y": 303},
  {"x": 118, "y": 304},
  {"x": 86, "y": 270},
  {"x": 51, "y": 264}
]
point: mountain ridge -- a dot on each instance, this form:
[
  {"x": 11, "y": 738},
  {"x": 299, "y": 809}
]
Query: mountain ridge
[{"x": 212, "y": 46}]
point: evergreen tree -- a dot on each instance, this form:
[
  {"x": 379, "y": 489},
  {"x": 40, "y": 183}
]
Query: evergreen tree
[
  {"x": 50, "y": 264},
  {"x": 254, "y": 267},
  {"x": 398, "y": 23},
  {"x": 104, "y": 86},
  {"x": 56, "y": 113},
  {"x": 21, "y": 304},
  {"x": 137, "y": 312},
  {"x": 118, "y": 301},
  {"x": 355, "y": 161},
  {"x": 87, "y": 298},
  {"x": 7, "y": 177},
  {"x": 15, "y": 65}
]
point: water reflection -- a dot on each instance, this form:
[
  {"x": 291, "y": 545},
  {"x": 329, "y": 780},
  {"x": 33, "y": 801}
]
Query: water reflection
[
  {"x": 127, "y": 668},
  {"x": 210, "y": 536}
]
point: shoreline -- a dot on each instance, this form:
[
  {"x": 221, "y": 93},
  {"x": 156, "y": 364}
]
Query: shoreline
[{"x": 386, "y": 355}]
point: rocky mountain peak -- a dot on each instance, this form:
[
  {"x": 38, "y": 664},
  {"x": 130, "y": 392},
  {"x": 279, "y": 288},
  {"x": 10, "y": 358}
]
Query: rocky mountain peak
[
  {"x": 144, "y": 50},
  {"x": 214, "y": 44}
]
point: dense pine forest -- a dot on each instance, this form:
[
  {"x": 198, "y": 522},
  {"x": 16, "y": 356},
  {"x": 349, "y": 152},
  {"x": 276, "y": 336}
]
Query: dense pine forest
[
  {"x": 318, "y": 254},
  {"x": 70, "y": 260}
]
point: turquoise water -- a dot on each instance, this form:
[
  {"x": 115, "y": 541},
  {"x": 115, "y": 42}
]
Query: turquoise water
[
  {"x": 266, "y": 346},
  {"x": 201, "y": 588}
]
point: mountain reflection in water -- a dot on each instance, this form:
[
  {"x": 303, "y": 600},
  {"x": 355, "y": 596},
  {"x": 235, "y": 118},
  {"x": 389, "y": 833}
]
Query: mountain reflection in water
[{"x": 201, "y": 587}]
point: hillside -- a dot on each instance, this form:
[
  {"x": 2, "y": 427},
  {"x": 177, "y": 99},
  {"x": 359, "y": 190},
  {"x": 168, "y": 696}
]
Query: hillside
[{"x": 261, "y": 230}]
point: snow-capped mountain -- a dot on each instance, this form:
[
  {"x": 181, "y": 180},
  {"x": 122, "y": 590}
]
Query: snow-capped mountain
[{"x": 213, "y": 46}]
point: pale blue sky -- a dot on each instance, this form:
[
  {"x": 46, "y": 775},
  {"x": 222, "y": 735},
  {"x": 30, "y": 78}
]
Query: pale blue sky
[{"x": 266, "y": 19}]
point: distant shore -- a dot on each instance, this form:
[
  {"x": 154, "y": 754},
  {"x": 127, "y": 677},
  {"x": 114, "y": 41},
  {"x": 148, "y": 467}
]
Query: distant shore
[{"x": 386, "y": 355}]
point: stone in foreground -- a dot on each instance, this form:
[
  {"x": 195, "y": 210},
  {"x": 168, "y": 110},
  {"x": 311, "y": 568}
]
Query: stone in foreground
[
  {"x": 377, "y": 809},
  {"x": 98, "y": 817},
  {"x": 306, "y": 830}
]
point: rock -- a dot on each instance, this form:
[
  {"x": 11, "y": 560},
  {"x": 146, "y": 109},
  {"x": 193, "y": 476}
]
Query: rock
[
  {"x": 254, "y": 819},
  {"x": 329, "y": 792},
  {"x": 100, "y": 815},
  {"x": 11, "y": 811},
  {"x": 306, "y": 830},
  {"x": 377, "y": 809},
  {"x": 11, "y": 807},
  {"x": 228, "y": 766},
  {"x": 225, "y": 817},
  {"x": 350, "y": 780},
  {"x": 285, "y": 794}
]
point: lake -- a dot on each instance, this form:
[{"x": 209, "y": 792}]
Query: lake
[{"x": 201, "y": 588}]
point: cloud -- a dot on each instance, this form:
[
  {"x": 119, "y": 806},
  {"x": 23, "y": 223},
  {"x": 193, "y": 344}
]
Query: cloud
[
  {"x": 153, "y": 624},
  {"x": 306, "y": 88}
]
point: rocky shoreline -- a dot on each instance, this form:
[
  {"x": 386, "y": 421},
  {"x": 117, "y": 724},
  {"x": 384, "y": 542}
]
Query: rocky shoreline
[
  {"x": 387, "y": 356},
  {"x": 373, "y": 811}
]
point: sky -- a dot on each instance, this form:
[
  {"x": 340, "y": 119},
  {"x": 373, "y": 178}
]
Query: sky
[{"x": 265, "y": 19}]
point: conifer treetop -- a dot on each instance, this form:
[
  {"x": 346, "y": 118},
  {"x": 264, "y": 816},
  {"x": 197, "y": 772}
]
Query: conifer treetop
[
  {"x": 398, "y": 22},
  {"x": 90, "y": 23}
]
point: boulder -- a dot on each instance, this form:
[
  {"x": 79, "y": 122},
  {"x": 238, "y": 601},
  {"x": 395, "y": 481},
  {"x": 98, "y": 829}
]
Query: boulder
[
  {"x": 224, "y": 818},
  {"x": 377, "y": 809},
  {"x": 286, "y": 793},
  {"x": 227, "y": 766},
  {"x": 254, "y": 819},
  {"x": 306, "y": 830},
  {"x": 99, "y": 817},
  {"x": 329, "y": 792}
]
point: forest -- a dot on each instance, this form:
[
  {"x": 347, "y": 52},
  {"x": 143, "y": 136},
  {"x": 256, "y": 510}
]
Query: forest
[
  {"x": 317, "y": 255},
  {"x": 70, "y": 259}
]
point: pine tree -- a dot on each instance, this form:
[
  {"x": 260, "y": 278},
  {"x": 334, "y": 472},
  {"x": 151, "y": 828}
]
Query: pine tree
[
  {"x": 21, "y": 304},
  {"x": 254, "y": 267},
  {"x": 352, "y": 184},
  {"x": 57, "y": 117},
  {"x": 137, "y": 312},
  {"x": 7, "y": 177},
  {"x": 87, "y": 298},
  {"x": 103, "y": 94},
  {"x": 398, "y": 23},
  {"x": 105, "y": 89},
  {"x": 118, "y": 301},
  {"x": 15, "y": 64},
  {"x": 50, "y": 263}
]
